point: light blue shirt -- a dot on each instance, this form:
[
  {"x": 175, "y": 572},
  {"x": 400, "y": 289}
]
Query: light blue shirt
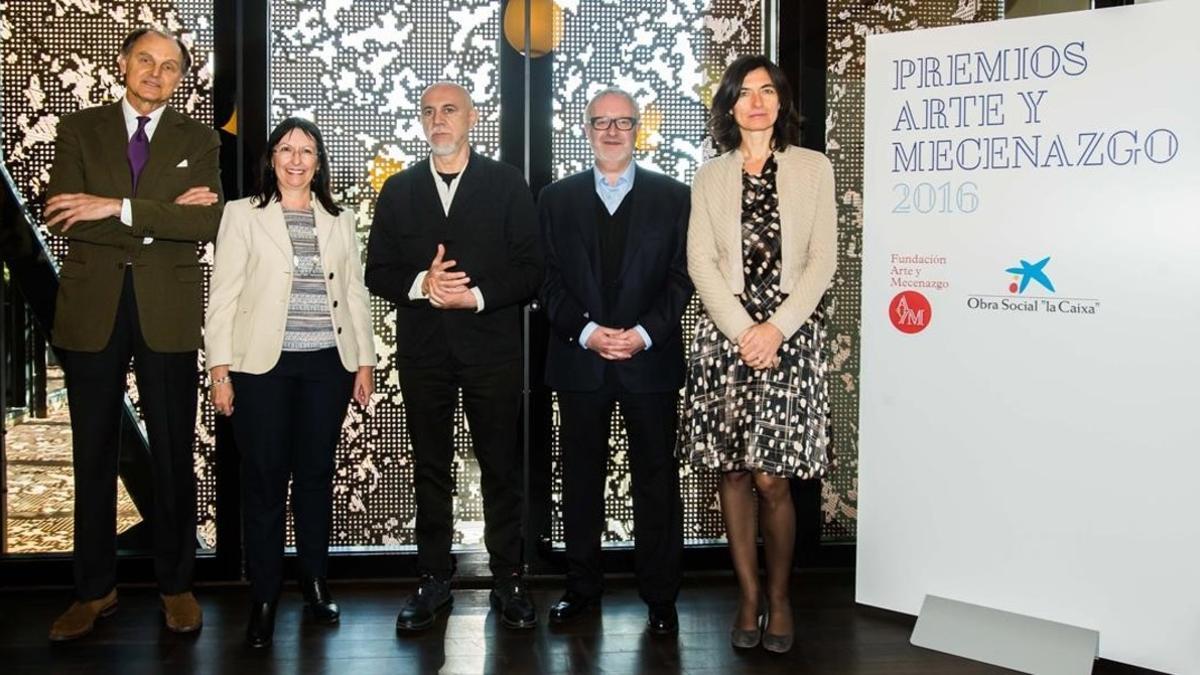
[{"x": 612, "y": 196}]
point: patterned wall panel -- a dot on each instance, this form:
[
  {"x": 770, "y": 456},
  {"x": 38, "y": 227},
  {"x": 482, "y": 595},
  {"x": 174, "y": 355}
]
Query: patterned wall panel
[
  {"x": 357, "y": 69},
  {"x": 58, "y": 57},
  {"x": 669, "y": 54},
  {"x": 850, "y": 22}
]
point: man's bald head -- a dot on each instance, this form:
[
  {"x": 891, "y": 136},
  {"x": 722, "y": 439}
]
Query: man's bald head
[{"x": 448, "y": 87}]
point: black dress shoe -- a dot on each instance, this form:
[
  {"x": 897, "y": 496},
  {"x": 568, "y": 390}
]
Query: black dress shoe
[
  {"x": 663, "y": 620},
  {"x": 318, "y": 603},
  {"x": 261, "y": 627},
  {"x": 571, "y": 605},
  {"x": 511, "y": 599},
  {"x": 422, "y": 608}
]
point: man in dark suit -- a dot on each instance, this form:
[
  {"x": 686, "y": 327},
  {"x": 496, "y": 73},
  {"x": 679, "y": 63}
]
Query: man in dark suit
[
  {"x": 454, "y": 245},
  {"x": 135, "y": 185},
  {"x": 615, "y": 290}
]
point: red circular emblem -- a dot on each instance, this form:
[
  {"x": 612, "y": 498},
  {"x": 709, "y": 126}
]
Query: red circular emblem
[{"x": 910, "y": 312}]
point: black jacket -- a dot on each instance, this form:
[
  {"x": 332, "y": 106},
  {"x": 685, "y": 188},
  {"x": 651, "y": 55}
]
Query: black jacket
[
  {"x": 492, "y": 234},
  {"x": 653, "y": 283}
]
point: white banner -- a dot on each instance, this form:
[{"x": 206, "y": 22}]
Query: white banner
[{"x": 1030, "y": 422}]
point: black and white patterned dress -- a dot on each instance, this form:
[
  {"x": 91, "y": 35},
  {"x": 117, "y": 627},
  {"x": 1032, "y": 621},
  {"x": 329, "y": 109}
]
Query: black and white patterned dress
[{"x": 774, "y": 420}]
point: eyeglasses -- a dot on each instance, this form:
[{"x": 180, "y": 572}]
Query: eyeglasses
[
  {"x": 603, "y": 123},
  {"x": 305, "y": 153}
]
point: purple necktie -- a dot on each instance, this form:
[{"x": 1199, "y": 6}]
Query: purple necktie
[{"x": 138, "y": 151}]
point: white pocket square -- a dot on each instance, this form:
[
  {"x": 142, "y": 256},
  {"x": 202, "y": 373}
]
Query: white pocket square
[{"x": 181, "y": 165}]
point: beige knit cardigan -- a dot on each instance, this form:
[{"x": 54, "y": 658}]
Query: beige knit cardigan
[{"x": 808, "y": 219}]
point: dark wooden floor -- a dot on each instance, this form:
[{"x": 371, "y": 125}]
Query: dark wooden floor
[{"x": 834, "y": 636}]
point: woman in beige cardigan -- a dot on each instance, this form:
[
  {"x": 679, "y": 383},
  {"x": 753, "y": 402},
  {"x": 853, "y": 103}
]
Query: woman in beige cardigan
[
  {"x": 761, "y": 252},
  {"x": 289, "y": 330}
]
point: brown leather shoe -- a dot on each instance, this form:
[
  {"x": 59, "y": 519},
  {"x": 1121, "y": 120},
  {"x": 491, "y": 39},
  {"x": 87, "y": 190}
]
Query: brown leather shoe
[
  {"x": 80, "y": 617},
  {"x": 182, "y": 612}
]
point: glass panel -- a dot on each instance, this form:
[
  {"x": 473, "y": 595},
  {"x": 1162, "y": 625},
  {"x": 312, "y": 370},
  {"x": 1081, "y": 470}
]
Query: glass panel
[
  {"x": 56, "y": 60},
  {"x": 358, "y": 70},
  {"x": 670, "y": 57},
  {"x": 1014, "y": 9},
  {"x": 850, "y": 21}
]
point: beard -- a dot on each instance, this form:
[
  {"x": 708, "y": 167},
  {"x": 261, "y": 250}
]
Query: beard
[{"x": 442, "y": 149}]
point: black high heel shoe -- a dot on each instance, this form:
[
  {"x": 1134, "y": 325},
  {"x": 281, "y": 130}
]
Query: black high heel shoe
[
  {"x": 318, "y": 603},
  {"x": 260, "y": 629}
]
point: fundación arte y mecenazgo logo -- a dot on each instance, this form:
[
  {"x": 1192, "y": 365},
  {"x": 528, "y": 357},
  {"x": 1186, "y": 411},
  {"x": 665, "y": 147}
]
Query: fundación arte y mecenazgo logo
[
  {"x": 910, "y": 312},
  {"x": 1027, "y": 279}
]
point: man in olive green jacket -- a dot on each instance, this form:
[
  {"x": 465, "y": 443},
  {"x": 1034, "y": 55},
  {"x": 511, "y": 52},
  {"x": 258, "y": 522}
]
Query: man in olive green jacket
[{"x": 134, "y": 188}]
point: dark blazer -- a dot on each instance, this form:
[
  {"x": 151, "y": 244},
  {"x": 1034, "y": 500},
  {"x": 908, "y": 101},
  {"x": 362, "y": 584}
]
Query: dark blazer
[
  {"x": 492, "y": 234},
  {"x": 654, "y": 285},
  {"x": 89, "y": 157}
]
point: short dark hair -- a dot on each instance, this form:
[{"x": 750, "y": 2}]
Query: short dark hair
[
  {"x": 128, "y": 42},
  {"x": 268, "y": 185},
  {"x": 724, "y": 128}
]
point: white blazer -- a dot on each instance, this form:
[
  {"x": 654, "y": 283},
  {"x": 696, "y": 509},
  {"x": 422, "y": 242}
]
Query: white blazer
[
  {"x": 252, "y": 283},
  {"x": 808, "y": 238}
]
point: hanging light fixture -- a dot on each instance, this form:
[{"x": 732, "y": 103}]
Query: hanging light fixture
[{"x": 545, "y": 26}]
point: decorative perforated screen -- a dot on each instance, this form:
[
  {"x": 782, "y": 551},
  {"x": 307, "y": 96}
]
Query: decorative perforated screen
[
  {"x": 59, "y": 57},
  {"x": 357, "y": 70}
]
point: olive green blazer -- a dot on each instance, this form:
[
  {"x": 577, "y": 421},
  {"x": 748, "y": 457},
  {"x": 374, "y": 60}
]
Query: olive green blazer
[{"x": 89, "y": 157}]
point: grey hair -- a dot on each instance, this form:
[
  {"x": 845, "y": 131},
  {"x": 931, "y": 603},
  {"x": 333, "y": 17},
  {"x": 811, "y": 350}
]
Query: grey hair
[{"x": 607, "y": 91}]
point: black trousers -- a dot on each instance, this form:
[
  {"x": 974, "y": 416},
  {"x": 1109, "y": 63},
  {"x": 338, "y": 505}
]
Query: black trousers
[
  {"x": 286, "y": 423},
  {"x": 650, "y": 421},
  {"x": 491, "y": 396},
  {"x": 167, "y": 388}
]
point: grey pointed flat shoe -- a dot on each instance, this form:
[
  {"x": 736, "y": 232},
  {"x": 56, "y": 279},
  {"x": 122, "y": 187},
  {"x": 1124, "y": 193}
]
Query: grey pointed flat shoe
[
  {"x": 745, "y": 639},
  {"x": 777, "y": 644},
  {"x": 748, "y": 639}
]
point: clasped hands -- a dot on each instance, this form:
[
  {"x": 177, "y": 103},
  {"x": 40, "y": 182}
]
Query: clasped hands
[
  {"x": 759, "y": 346},
  {"x": 447, "y": 289},
  {"x": 70, "y": 208},
  {"x": 615, "y": 344}
]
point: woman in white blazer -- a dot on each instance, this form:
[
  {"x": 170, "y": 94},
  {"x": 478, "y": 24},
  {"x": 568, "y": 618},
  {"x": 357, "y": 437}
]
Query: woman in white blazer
[
  {"x": 762, "y": 248},
  {"x": 288, "y": 333}
]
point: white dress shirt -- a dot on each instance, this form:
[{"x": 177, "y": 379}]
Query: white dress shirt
[
  {"x": 446, "y": 193},
  {"x": 131, "y": 125}
]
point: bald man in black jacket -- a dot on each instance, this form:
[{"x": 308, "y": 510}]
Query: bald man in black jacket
[{"x": 454, "y": 245}]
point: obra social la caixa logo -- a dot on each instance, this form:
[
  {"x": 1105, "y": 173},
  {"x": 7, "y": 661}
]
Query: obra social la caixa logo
[
  {"x": 1027, "y": 273},
  {"x": 910, "y": 312},
  {"x": 1031, "y": 291}
]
